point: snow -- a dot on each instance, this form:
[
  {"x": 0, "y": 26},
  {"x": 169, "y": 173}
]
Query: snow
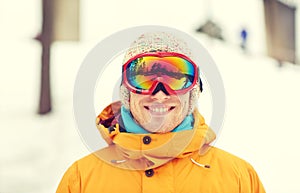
[{"x": 263, "y": 100}]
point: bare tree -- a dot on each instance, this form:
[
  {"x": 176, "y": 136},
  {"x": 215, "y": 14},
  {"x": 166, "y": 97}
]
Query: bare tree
[{"x": 45, "y": 37}]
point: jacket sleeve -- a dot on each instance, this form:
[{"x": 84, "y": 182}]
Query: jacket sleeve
[
  {"x": 70, "y": 183},
  {"x": 250, "y": 181}
]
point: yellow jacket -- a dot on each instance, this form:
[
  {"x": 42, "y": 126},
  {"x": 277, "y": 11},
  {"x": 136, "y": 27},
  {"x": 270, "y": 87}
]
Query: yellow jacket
[{"x": 175, "y": 162}]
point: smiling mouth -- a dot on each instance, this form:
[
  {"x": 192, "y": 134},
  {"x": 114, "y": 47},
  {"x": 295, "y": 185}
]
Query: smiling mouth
[{"x": 159, "y": 109}]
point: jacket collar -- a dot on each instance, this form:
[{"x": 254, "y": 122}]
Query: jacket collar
[{"x": 158, "y": 149}]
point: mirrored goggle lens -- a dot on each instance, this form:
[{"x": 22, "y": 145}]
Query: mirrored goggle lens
[{"x": 177, "y": 73}]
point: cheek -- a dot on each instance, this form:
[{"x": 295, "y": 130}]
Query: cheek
[
  {"x": 136, "y": 108},
  {"x": 135, "y": 102},
  {"x": 182, "y": 111},
  {"x": 184, "y": 103}
]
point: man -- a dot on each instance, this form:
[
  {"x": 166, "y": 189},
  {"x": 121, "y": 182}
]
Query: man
[{"x": 157, "y": 139}]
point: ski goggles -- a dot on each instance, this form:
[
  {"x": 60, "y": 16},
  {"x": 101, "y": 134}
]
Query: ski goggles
[{"x": 142, "y": 73}]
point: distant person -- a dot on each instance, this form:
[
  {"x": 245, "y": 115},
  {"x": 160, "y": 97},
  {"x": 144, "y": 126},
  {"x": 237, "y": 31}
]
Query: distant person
[
  {"x": 244, "y": 36},
  {"x": 157, "y": 139}
]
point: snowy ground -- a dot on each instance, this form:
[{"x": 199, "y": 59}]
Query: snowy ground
[{"x": 262, "y": 111}]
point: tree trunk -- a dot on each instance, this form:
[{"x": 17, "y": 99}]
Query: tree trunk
[{"x": 46, "y": 39}]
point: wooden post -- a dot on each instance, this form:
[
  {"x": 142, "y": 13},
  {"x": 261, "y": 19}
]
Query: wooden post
[{"x": 280, "y": 21}]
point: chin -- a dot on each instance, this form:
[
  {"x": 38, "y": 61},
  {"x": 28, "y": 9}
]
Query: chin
[{"x": 164, "y": 128}]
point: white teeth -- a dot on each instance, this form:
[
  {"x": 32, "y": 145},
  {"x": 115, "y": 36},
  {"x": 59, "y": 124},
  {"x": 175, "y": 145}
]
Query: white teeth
[{"x": 159, "y": 110}]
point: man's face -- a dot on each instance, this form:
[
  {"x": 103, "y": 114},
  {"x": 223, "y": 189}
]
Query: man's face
[{"x": 159, "y": 113}]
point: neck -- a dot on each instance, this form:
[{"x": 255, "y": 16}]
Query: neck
[{"x": 132, "y": 126}]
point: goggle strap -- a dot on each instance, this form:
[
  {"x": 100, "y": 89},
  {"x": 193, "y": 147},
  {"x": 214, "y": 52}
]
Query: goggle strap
[{"x": 200, "y": 84}]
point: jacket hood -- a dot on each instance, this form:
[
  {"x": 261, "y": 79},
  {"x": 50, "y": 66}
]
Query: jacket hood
[{"x": 145, "y": 151}]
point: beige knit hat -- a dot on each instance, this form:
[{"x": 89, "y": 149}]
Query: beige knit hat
[{"x": 158, "y": 42}]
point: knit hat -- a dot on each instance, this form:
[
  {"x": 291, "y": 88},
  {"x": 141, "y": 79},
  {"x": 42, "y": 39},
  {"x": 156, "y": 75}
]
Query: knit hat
[{"x": 159, "y": 42}]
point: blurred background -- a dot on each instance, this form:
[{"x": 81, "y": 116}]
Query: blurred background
[{"x": 43, "y": 42}]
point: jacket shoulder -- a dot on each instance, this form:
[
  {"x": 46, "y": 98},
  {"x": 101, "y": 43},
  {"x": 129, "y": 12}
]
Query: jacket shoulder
[
  {"x": 71, "y": 181},
  {"x": 88, "y": 161},
  {"x": 228, "y": 160},
  {"x": 222, "y": 154},
  {"x": 246, "y": 175}
]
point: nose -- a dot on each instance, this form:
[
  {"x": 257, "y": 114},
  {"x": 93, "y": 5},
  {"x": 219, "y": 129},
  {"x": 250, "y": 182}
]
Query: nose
[
  {"x": 160, "y": 96},
  {"x": 160, "y": 87}
]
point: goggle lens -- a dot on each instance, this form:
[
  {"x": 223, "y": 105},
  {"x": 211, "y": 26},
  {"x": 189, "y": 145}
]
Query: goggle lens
[{"x": 178, "y": 73}]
